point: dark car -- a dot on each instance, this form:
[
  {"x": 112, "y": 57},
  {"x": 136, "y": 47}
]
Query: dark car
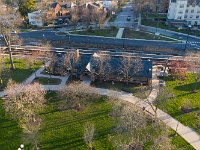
[{"x": 128, "y": 19}]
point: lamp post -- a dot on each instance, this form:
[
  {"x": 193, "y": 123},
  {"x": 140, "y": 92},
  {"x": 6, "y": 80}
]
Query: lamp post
[
  {"x": 149, "y": 75},
  {"x": 48, "y": 71},
  {"x": 186, "y": 40},
  {"x": 21, "y": 147},
  {"x": 69, "y": 39},
  {"x": 123, "y": 44}
]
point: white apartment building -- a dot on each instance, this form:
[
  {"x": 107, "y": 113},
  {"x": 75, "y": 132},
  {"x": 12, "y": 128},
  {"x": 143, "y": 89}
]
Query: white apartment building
[
  {"x": 188, "y": 10},
  {"x": 36, "y": 18}
]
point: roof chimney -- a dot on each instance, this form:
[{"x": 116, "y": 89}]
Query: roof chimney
[{"x": 77, "y": 54}]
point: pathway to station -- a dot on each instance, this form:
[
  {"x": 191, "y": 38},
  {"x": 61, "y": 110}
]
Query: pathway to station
[{"x": 185, "y": 132}]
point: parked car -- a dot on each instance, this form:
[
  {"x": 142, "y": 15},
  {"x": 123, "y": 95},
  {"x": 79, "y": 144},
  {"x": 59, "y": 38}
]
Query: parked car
[{"x": 128, "y": 19}]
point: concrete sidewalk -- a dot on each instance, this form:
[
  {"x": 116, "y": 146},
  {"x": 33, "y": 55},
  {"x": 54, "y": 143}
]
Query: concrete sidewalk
[
  {"x": 185, "y": 132},
  {"x": 120, "y": 33}
]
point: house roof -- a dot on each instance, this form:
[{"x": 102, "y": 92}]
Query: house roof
[
  {"x": 115, "y": 67},
  {"x": 53, "y": 5},
  {"x": 84, "y": 59}
]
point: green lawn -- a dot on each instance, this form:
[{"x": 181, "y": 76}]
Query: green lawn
[
  {"x": 143, "y": 35},
  {"x": 183, "y": 96},
  {"x": 64, "y": 129},
  {"x": 21, "y": 71},
  {"x": 46, "y": 81},
  {"x": 10, "y": 133},
  {"x": 155, "y": 15},
  {"x": 162, "y": 25},
  {"x": 98, "y": 32}
]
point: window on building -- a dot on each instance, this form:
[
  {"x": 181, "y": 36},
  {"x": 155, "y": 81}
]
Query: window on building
[
  {"x": 179, "y": 17},
  {"x": 180, "y": 12},
  {"x": 192, "y": 11},
  {"x": 197, "y": 16},
  {"x": 193, "y": 5},
  {"x": 195, "y": 23},
  {"x": 198, "y": 11},
  {"x": 182, "y": 6},
  {"x": 186, "y": 11},
  {"x": 189, "y": 22},
  {"x": 185, "y": 16},
  {"x": 191, "y": 16}
]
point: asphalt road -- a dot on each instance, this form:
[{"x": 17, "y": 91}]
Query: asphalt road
[
  {"x": 121, "y": 20},
  {"x": 52, "y": 36},
  {"x": 193, "y": 42}
]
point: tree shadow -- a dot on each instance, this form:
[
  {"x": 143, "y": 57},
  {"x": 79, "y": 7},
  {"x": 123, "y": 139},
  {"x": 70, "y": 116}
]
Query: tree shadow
[{"x": 188, "y": 87}]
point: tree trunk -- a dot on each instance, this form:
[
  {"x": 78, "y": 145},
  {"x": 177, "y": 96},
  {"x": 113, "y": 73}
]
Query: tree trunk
[
  {"x": 35, "y": 146},
  {"x": 195, "y": 85},
  {"x": 10, "y": 57},
  {"x": 90, "y": 145}
]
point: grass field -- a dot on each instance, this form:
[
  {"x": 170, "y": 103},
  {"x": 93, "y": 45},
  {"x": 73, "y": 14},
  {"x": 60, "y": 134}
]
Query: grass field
[
  {"x": 139, "y": 91},
  {"x": 46, "y": 81},
  {"x": 21, "y": 71},
  {"x": 143, "y": 35},
  {"x": 98, "y": 32},
  {"x": 183, "y": 96},
  {"x": 64, "y": 129},
  {"x": 162, "y": 25}
]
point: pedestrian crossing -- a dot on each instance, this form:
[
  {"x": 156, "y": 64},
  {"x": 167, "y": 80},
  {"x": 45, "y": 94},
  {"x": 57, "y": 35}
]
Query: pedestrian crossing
[{"x": 193, "y": 42}]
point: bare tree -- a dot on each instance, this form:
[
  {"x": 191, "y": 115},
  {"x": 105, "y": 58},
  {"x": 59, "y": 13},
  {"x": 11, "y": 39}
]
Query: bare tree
[
  {"x": 126, "y": 66},
  {"x": 23, "y": 102},
  {"x": 43, "y": 4},
  {"x": 74, "y": 17},
  {"x": 130, "y": 66},
  {"x": 70, "y": 60},
  {"x": 137, "y": 126},
  {"x": 32, "y": 59},
  {"x": 139, "y": 5},
  {"x": 178, "y": 68},
  {"x": 193, "y": 61},
  {"x": 113, "y": 6},
  {"x": 101, "y": 63},
  {"x": 9, "y": 22},
  {"x": 76, "y": 96},
  {"x": 89, "y": 134},
  {"x": 98, "y": 16},
  {"x": 86, "y": 16},
  {"x": 2, "y": 68}
]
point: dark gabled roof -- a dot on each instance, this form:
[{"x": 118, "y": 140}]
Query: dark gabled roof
[
  {"x": 53, "y": 5},
  {"x": 115, "y": 65},
  {"x": 83, "y": 61}
]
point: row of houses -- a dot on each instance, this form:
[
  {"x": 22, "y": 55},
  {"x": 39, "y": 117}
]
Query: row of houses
[
  {"x": 184, "y": 12},
  {"x": 62, "y": 11}
]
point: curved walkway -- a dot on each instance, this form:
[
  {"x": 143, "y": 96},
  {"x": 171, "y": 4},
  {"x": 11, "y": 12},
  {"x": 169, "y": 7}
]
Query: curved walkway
[{"x": 185, "y": 132}]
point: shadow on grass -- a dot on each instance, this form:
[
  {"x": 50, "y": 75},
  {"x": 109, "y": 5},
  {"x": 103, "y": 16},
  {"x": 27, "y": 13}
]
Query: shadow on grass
[
  {"x": 87, "y": 117},
  {"x": 188, "y": 87}
]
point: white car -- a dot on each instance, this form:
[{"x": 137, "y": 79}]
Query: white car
[
  {"x": 14, "y": 32},
  {"x": 157, "y": 33}
]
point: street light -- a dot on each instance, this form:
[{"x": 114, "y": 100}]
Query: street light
[
  {"x": 186, "y": 39},
  {"x": 21, "y": 147},
  {"x": 123, "y": 44},
  {"x": 69, "y": 40}
]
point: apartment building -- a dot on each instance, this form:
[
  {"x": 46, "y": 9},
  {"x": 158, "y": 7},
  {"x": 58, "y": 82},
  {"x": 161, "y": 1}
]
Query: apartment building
[{"x": 185, "y": 11}]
